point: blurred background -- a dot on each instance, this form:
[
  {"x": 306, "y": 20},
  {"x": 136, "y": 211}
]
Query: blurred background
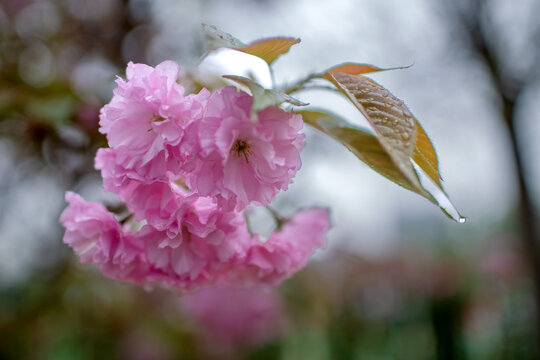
[{"x": 398, "y": 279}]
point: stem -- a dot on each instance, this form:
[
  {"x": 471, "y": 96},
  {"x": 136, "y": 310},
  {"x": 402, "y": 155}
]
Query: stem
[
  {"x": 299, "y": 85},
  {"x": 318, "y": 87},
  {"x": 248, "y": 224},
  {"x": 126, "y": 218},
  {"x": 272, "y": 76},
  {"x": 280, "y": 221}
]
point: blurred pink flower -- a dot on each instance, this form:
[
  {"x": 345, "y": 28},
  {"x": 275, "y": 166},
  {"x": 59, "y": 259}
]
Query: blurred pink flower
[
  {"x": 244, "y": 160},
  {"x": 235, "y": 317}
]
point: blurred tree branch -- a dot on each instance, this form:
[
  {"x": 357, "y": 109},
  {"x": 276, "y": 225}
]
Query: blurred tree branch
[{"x": 474, "y": 22}]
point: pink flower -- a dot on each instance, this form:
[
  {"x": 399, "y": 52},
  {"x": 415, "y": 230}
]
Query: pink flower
[
  {"x": 199, "y": 255},
  {"x": 231, "y": 318},
  {"x": 209, "y": 246},
  {"x": 154, "y": 202},
  {"x": 241, "y": 160},
  {"x": 186, "y": 166},
  {"x": 97, "y": 237},
  {"x": 287, "y": 250},
  {"x": 198, "y": 247},
  {"x": 145, "y": 123}
]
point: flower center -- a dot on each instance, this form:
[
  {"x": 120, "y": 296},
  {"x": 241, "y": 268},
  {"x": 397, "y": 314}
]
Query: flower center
[
  {"x": 155, "y": 118},
  {"x": 241, "y": 148}
]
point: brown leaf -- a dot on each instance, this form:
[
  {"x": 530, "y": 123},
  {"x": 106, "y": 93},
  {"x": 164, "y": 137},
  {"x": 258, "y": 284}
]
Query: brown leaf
[
  {"x": 424, "y": 155},
  {"x": 393, "y": 124},
  {"x": 267, "y": 49},
  {"x": 397, "y": 134},
  {"x": 352, "y": 69},
  {"x": 270, "y": 49},
  {"x": 355, "y": 69}
]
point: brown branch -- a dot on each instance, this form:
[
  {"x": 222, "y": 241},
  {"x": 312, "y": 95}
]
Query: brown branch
[{"x": 509, "y": 87}]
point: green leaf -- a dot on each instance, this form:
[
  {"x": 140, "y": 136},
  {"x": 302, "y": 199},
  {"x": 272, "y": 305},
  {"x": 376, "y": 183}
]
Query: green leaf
[{"x": 262, "y": 97}]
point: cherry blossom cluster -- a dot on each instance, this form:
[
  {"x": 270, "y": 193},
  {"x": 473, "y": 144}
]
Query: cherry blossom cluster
[{"x": 187, "y": 166}]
